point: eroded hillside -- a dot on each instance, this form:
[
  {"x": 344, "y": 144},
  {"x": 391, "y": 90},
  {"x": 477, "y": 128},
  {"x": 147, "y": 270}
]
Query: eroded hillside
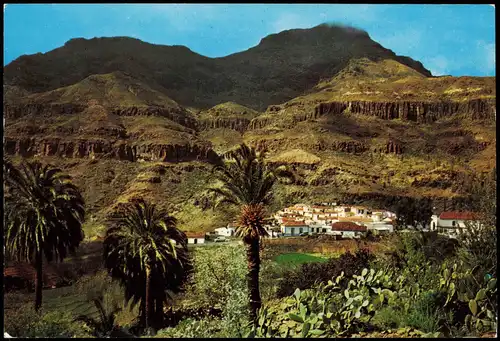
[{"x": 366, "y": 124}]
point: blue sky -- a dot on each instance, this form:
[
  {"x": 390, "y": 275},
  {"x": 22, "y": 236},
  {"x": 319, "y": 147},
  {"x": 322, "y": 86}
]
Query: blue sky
[{"x": 448, "y": 39}]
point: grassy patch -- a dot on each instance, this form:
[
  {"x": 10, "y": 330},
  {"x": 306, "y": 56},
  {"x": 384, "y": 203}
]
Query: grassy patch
[{"x": 296, "y": 259}]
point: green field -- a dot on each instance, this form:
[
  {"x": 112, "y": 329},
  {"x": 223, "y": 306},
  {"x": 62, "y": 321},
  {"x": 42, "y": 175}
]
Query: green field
[{"x": 295, "y": 259}]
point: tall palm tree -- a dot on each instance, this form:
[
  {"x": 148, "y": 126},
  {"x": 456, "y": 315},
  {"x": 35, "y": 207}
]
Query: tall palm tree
[
  {"x": 246, "y": 181},
  {"x": 145, "y": 251},
  {"x": 44, "y": 216}
]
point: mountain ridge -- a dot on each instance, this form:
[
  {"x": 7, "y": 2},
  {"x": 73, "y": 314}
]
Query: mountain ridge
[
  {"x": 268, "y": 73},
  {"x": 348, "y": 118}
]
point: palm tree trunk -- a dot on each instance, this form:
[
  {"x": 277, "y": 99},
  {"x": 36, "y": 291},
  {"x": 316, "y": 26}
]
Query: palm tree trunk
[
  {"x": 149, "y": 304},
  {"x": 142, "y": 312},
  {"x": 253, "y": 258},
  {"x": 38, "y": 280},
  {"x": 159, "y": 313}
]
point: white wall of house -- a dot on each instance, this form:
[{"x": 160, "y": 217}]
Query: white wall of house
[
  {"x": 272, "y": 234},
  {"x": 359, "y": 212},
  {"x": 196, "y": 240},
  {"x": 348, "y": 234},
  {"x": 451, "y": 223},
  {"x": 380, "y": 227},
  {"x": 388, "y": 214},
  {"x": 434, "y": 222},
  {"x": 293, "y": 230},
  {"x": 225, "y": 231}
]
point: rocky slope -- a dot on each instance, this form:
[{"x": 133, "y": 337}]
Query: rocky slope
[{"x": 349, "y": 118}]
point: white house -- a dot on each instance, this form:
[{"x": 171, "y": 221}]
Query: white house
[
  {"x": 225, "y": 231},
  {"x": 272, "y": 232},
  {"x": 377, "y": 215},
  {"x": 320, "y": 227},
  {"x": 349, "y": 229},
  {"x": 379, "y": 227},
  {"x": 451, "y": 223},
  {"x": 390, "y": 215},
  {"x": 346, "y": 211},
  {"x": 294, "y": 228},
  {"x": 359, "y": 211},
  {"x": 195, "y": 237}
]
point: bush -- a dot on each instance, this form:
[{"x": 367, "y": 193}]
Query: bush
[
  {"x": 478, "y": 249},
  {"x": 270, "y": 274},
  {"x": 310, "y": 273},
  {"x": 192, "y": 328},
  {"x": 387, "y": 318},
  {"x": 25, "y": 322},
  {"x": 333, "y": 309},
  {"x": 219, "y": 281},
  {"x": 425, "y": 313}
]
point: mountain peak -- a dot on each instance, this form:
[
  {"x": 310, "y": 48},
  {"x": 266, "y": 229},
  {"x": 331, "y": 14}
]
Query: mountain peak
[
  {"x": 323, "y": 32},
  {"x": 281, "y": 67}
]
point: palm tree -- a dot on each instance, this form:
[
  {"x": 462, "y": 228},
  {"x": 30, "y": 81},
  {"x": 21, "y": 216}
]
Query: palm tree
[
  {"x": 44, "y": 216},
  {"x": 247, "y": 182},
  {"x": 106, "y": 324},
  {"x": 145, "y": 251}
]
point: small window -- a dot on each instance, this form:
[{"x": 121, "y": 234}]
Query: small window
[
  {"x": 293, "y": 230},
  {"x": 434, "y": 225},
  {"x": 300, "y": 230},
  {"x": 453, "y": 223},
  {"x": 324, "y": 230}
]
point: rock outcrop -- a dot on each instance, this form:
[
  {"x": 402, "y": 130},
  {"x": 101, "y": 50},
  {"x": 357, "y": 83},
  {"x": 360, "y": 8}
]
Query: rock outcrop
[
  {"x": 109, "y": 149},
  {"x": 351, "y": 146},
  {"x": 238, "y": 124},
  {"x": 420, "y": 112},
  {"x": 177, "y": 115},
  {"x": 391, "y": 147},
  {"x": 16, "y": 111},
  {"x": 180, "y": 116}
]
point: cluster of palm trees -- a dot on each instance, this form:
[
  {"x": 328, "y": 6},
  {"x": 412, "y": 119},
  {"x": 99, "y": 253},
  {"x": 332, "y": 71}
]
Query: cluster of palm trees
[{"x": 143, "y": 249}]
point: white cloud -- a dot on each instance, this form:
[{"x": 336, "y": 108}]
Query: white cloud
[
  {"x": 438, "y": 65},
  {"x": 352, "y": 14},
  {"x": 486, "y": 57},
  {"x": 346, "y": 14},
  {"x": 401, "y": 42},
  {"x": 287, "y": 21}
]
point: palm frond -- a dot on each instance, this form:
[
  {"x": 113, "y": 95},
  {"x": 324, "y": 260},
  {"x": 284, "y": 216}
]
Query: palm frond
[
  {"x": 44, "y": 213},
  {"x": 141, "y": 235},
  {"x": 244, "y": 178}
]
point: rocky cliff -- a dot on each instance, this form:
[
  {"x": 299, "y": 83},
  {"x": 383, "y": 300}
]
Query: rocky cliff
[
  {"x": 120, "y": 150},
  {"x": 238, "y": 124},
  {"x": 416, "y": 111}
]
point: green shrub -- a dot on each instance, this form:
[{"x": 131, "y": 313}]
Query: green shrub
[
  {"x": 25, "y": 322},
  {"x": 312, "y": 273},
  {"x": 425, "y": 313},
  {"x": 270, "y": 275},
  {"x": 219, "y": 281},
  {"x": 191, "y": 328},
  {"x": 387, "y": 318}
]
